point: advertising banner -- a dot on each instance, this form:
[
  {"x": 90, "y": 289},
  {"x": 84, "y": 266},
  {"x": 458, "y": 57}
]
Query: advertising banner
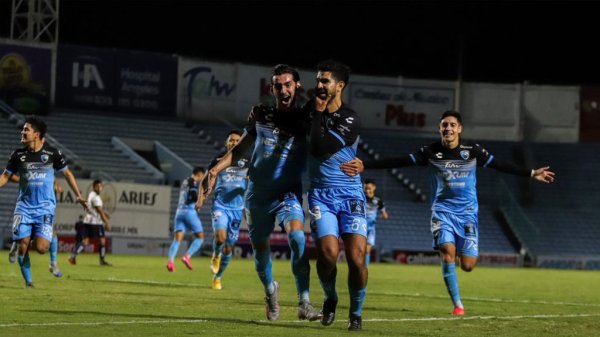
[
  {"x": 135, "y": 210},
  {"x": 25, "y": 77},
  {"x": 116, "y": 80}
]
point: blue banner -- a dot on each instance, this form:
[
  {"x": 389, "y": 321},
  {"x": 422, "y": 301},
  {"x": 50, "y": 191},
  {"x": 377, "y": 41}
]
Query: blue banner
[
  {"x": 116, "y": 80},
  {"x": 25, "y": 78}
]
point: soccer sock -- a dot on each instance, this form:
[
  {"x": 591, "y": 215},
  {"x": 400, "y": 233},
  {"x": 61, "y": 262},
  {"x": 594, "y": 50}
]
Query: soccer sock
[
  {"x": 357, "y": 298},
  {"x": 53, "y": 250},
  {"x": 449, "y": 272},
  {"x": 217, "y": 248},
  {"x": 196, "y": 244},
  {"x": 300, "y": 264},
  {"x": 329, "y": 288},
  {"x": 367, "y": 258},
  {"x": 224, "y": 262},
  {"x": 102, "y": 252},
  {"x": 173, "y": 250},
  {"x": 25, "y": 265},
  {"x": 262, "y": 264},
  {"x": 78, "y": 248}
]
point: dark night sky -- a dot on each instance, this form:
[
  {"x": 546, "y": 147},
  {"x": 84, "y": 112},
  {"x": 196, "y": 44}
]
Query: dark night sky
[{"x": 538, "y": 41}]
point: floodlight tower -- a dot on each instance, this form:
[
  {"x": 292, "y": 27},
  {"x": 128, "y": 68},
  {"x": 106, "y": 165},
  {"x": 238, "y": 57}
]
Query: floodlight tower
[{"x": 34, "y": 21}]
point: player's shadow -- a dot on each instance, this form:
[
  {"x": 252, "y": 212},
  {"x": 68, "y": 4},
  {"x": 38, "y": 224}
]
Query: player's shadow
[{"x": 177, "y": 318}]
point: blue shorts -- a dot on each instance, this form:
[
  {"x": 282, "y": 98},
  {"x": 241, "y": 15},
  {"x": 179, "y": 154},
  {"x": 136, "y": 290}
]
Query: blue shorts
[
  {"x": 335, "y": 211},
  {"x": 228, "y": 220},
  {"x": 187, "y": 220},
  {"x": 371, "y": 233},
  {"x": 460, "y": 230},
  {"x": 29, "y": 226},
  {"x": 263, "y": 215}
]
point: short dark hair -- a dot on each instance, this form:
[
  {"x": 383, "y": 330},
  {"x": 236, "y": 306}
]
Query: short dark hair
[
  {"x": 234, "y": 132},
  {"x": 339, "y": 71},
  {"x": 452, "y": 113},
  {"x": 198, "y": 169},
  {"x": 37, "y": 124},
  {"x": 369, "y": 181},
  {"x": 281, "y": 69},
  {"x": 96, "y": 182}
]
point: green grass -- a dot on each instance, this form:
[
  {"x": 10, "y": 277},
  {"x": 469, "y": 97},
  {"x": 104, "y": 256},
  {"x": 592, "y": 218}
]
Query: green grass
[{"x": 138, "y": 297}]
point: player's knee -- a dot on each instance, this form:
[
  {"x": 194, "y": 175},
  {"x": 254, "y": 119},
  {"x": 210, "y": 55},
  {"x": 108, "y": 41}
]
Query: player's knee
[{"x": 467, "y": 267}]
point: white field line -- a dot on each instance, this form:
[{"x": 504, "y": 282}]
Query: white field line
[
  {"x": 495, "y": 300},
  {"x": 373, "y": 320}
]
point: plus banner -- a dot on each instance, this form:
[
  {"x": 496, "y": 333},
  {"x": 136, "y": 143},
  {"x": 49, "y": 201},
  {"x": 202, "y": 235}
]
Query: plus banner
[{"x": 116, "y": 80}]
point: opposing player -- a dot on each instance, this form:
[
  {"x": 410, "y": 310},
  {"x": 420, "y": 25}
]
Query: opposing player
[
  {"x": 36, "y": 203},
  {"x": 186, "y": 218},
  {"x": 96, "y": 224},
  {"x": 375, "y": 206},
  {"x": 454, "y": 204},
  {"x": 227, "y": 208}
]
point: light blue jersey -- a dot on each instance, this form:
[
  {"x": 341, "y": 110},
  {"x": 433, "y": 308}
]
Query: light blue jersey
[
  {"x": 186, "y": 217},
  {"x": 336, "y": 200},
  {"x": 231, "y": 185}
]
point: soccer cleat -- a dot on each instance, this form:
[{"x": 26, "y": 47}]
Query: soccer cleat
[
  {"x": 355, "y": 323},
  {"x": 170, "y": 266},
  {"x": 215, "y": 262},
  {"x": 12, "y": 254},
  {"x": 105, "y": 264},
  {"x": 273, "y": 303},
  {"x": 73, "y": 260},
  {"x": 187, "y": 262},
  {"x": 307, "y": 311},
  {"x": 328, "y": 311},
  {"x": 216, "y": 283},
  {"x": 29, "y": 285},
  {"x": 54, "y": 270},
  {"x": 459, "y": 311}
]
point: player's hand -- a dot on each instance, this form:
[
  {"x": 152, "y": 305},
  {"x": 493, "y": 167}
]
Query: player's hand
[
  {"x": 107, "y": 227},
  {"x": 83, "y": 203},
  {"x": 544, "y": 175},
  {"x": 256, "y": 110},
  {"x": 353, "y": 167}
]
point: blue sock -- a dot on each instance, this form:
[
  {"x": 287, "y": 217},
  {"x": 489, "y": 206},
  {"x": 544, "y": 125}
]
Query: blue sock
[
  {"x": 367, "y": 258},
  {"x": 300, "y": 264},
  {"x": 25, "y": 267},
  {"x": 357, "y": 298},
  {"x": 329, "y": 289},
  {"x": 262, "y": 264},
  {"x": 196, "y": 244},
  {"x": 53, "y": 249},
  {"x": 224, "y": 262},
  {"x": 217, "y": 248},
  {"x": 173, "y": 249},
  {"x": 449, "y": 272}
]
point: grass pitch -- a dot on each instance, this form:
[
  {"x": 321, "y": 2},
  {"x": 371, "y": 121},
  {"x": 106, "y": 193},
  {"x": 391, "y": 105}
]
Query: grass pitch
[{"x": 138, "y": 297}]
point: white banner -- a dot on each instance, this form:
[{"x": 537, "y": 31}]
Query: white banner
[{"x": 136, "y": 210}]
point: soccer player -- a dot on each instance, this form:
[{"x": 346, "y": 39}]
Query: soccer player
[
  {"x": 96, "y": 223},
  {"x": 454, "y": 204},
  {"x": 375, "y": 206},
  {"x": 228, "y": 204},
  {"x": 186, "y": 218},
  {"x": 36, "y": 203},
  {"x": 336, "y": 200},
  {"x": 277, "y": 136},
  {"x": 53, "y": 249}
]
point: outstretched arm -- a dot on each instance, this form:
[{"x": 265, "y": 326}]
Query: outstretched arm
[
  {"x": 542, "y": 174},
  {"x": 5, "y": 177}
]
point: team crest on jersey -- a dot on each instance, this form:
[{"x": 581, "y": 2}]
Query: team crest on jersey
[
  {"x": 357, "y": 207},
  {"x": 465, "y": 154},
  {"x": 45, "y": 158},
  {"x": 242, "y": 162}
]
